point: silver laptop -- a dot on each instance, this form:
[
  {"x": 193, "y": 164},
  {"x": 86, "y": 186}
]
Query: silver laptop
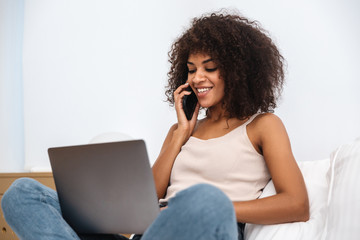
[{"x": 106, "y": 187}]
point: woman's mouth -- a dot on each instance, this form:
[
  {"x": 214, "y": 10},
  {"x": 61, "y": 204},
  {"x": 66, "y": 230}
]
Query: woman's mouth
[{"x": 203, "y": 91}]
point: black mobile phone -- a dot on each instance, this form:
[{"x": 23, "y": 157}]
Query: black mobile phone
[{"x": 189, "y": 103}]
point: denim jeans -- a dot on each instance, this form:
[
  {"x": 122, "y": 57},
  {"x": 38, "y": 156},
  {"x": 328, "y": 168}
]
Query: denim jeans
[{"x": 200, "y": 212}]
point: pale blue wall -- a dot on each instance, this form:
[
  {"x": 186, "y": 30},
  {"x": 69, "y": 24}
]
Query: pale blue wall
[{"x": 11, "y": 91}]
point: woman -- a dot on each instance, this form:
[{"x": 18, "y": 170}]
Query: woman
[{"x": 210, "y": 172}]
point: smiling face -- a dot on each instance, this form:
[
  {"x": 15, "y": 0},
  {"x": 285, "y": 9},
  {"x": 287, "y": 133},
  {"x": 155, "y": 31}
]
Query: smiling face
[{"x": 204, "y": 78}]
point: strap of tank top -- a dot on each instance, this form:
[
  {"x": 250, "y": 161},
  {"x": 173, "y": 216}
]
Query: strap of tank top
[{"x": 251, "y": 119}]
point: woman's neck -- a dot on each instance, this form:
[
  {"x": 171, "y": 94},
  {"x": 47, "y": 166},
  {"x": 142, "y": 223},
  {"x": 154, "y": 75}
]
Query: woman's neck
[{"x": 216, "y": 114}]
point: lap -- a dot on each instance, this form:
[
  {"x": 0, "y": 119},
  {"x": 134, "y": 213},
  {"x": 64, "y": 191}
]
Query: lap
[{"x": 200, "y": 202}]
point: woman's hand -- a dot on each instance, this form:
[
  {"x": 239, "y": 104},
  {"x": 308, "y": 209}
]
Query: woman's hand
[{"x": 185, "y": 127}]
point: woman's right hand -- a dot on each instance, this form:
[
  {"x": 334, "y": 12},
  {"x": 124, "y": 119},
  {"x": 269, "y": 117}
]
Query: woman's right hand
[{"x": 185, "y": 127}]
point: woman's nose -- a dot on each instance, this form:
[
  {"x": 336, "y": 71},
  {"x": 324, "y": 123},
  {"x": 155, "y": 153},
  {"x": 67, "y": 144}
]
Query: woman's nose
[{"x": 199, "y": 77}]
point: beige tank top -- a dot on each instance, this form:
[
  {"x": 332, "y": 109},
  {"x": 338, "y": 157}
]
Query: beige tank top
[{"x": 229, "y": 162}]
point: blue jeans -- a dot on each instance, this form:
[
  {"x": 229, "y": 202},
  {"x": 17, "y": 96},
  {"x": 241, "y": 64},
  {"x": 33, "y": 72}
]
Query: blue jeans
[{"x": 200, "y": 212}]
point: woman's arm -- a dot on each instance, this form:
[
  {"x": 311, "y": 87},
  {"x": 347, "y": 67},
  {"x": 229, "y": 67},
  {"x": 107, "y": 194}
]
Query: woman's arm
[
  {"x": 290, "y": 204},
  {"x": 177, "y": 136},
  {"x": 163, "y": 165}
]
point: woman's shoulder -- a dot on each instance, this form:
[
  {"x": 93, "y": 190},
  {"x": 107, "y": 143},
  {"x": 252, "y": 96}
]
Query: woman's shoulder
[
  {"x": 265, "y": 120},
  {"x": 263, "y": 124}
]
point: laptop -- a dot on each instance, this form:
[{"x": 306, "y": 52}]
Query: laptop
[{"x": 106, "y": 187}]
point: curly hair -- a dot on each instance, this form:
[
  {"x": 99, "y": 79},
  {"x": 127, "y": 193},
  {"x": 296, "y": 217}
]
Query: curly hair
[{"x": 249, "y": 62}]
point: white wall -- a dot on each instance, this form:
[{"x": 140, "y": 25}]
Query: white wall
[
  {"x": 97, "y": 66},
  {"x": 11, "y": 95}
]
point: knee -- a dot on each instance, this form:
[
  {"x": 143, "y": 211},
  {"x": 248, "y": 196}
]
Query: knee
[
  {"x": 16, "y": 193},
  {"x": 206, "y": 193},
  {"x": 203, "y": 211},
  {"x": 205, "y": 199}
]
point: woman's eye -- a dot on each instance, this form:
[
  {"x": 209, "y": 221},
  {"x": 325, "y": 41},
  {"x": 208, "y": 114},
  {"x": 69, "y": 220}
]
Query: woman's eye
[
  {"x": 211, "y": 69},
  {"x": 191, "y": 71}
]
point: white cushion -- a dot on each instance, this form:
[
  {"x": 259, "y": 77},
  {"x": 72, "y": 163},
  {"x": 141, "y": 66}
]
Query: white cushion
[
  {"x": 344, "y": 194},
  {"x": 314, "y": 173}
]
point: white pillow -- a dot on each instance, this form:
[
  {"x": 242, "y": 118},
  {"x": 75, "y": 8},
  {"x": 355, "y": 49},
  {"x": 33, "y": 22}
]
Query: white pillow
[
  {"x": 314, "y": 173},
  {"x": 344, "y": 195}
]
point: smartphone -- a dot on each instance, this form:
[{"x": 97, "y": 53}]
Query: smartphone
[{"x": 189, "y": 103}]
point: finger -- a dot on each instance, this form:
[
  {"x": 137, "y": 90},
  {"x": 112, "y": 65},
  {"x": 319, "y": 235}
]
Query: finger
[
  {"x": 179, "y": 97},
  {"x": 180, "y": 108},
  {"x": 181, "y": 88},
  {"x": 179, "y": 91}
]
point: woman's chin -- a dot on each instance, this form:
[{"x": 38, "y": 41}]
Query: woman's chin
[{"x": 204, "y": 105}]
